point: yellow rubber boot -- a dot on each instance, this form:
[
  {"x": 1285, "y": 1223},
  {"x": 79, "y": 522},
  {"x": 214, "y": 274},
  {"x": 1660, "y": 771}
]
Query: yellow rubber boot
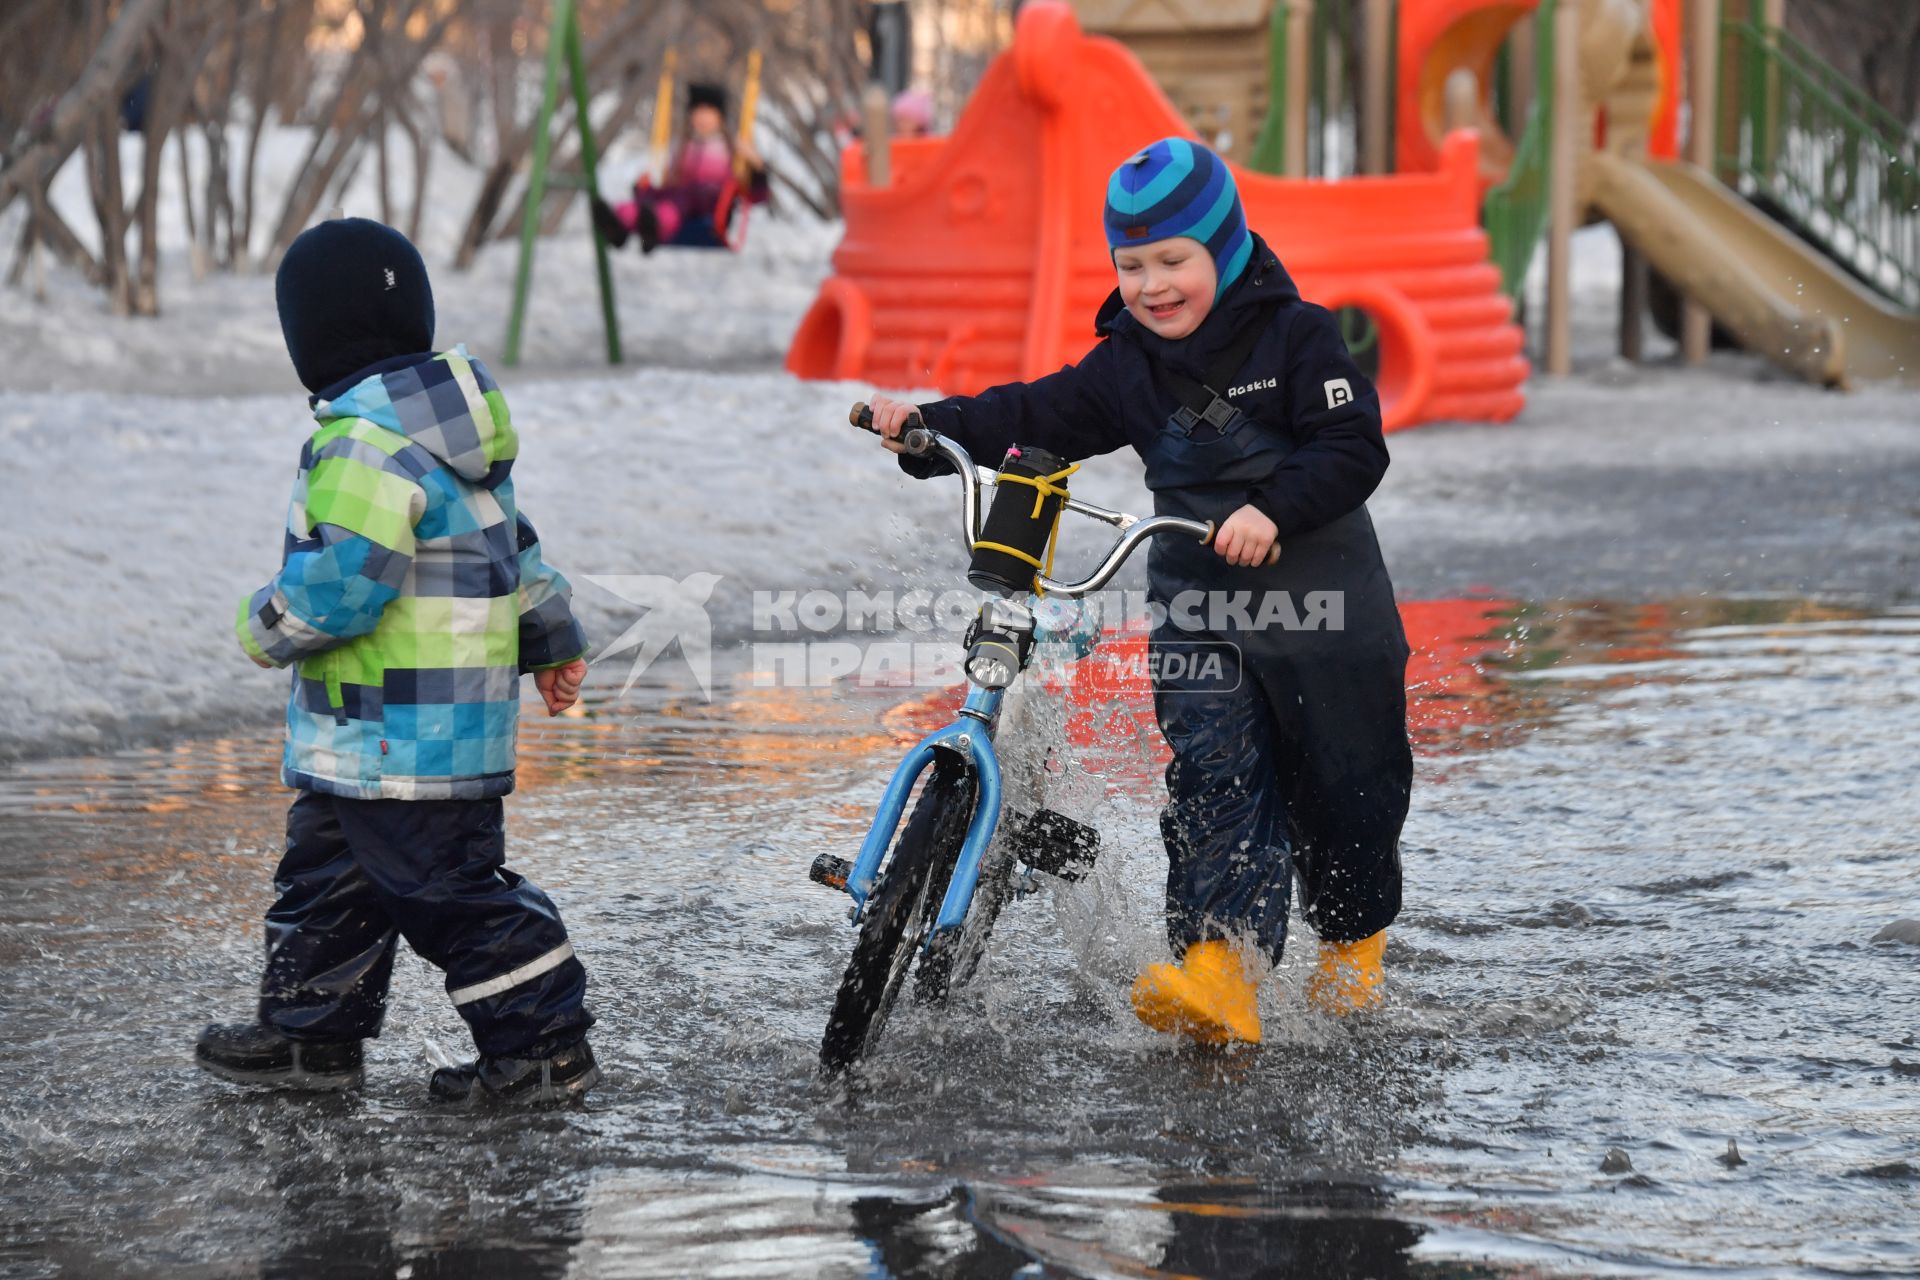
[
  {"x": 1350, "y": 976},
  {"x": 1210, "y": 997}
]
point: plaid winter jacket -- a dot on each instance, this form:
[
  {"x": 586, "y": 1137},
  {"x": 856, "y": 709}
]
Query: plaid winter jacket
[{"x": 411, "y": 594}]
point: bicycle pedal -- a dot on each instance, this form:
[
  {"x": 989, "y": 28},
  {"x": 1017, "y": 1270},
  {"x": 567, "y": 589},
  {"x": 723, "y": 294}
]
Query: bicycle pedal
[
  {"x": 830, "y": 871},
  {"x": 1054, "y": 843}
]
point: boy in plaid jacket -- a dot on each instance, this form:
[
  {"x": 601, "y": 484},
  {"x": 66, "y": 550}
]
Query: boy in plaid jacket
[{"x": 411, "y": 597}]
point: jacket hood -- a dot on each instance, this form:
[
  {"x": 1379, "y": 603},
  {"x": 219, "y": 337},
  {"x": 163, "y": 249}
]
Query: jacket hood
[
  {"x": 448, "y": 404},
  {"x": 1263, "y": 286}
]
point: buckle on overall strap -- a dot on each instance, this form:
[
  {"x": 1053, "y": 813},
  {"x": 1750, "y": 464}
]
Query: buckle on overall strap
[{"x": 1220, "y": 414}]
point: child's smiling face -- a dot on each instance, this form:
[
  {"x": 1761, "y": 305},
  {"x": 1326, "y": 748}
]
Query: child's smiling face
[
  {"x": 705, "y": 121},
  {"x": 1167, "y": 284}
]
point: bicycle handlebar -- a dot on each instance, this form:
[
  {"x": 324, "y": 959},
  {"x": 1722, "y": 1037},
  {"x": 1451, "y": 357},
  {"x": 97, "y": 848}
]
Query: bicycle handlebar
[{"x": 922, "y": 441}]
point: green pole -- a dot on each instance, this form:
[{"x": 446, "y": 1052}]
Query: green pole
[
  {"x": 1393, "y": 84},
  {"x": 1315, "y": 161},
  {"x": 537, "y": 176},
  {"x": 1270, "y": 148},
  {"x": 589, "y": 159}
]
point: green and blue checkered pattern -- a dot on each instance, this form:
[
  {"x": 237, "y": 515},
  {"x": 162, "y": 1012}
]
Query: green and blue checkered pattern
[{"x": 412, "y": 594}]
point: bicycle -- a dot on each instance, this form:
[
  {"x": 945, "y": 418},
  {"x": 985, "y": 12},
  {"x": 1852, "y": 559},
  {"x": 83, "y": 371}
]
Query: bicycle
[{"x": 947, "y": 851}]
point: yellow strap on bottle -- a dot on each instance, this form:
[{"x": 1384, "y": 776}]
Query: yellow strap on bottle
[
  {"x": 1047, "y": 486},
  {"x": 1015, "y": 552},
  {"x": 1044, "y": 486}
]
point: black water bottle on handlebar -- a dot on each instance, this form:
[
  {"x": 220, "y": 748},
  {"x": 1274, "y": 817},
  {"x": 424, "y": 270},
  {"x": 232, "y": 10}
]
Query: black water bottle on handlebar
[{"x": 1014, "y": 546}]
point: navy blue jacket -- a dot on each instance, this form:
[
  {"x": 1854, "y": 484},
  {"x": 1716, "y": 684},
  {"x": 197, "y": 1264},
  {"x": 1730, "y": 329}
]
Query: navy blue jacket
[{"x": 1119, "y": 395}]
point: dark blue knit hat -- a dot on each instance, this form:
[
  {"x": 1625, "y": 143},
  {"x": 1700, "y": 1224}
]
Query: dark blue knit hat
[
  {"x": 1179, "y": 188},
  {"x": 351, "y": 293}
]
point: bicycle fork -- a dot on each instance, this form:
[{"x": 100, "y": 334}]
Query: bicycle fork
[{"x": 971, "y": 737}]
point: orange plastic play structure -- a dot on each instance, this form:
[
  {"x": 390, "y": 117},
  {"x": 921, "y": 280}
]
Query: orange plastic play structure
[
  {"x": 1436, "y": 39},
  {"x": 984, "y": 260},
  {"x": 1439, "y": 37}
]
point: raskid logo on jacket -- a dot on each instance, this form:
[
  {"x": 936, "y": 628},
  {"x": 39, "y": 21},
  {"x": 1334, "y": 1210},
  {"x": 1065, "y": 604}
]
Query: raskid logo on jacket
[{"x": 411, "y": 595}]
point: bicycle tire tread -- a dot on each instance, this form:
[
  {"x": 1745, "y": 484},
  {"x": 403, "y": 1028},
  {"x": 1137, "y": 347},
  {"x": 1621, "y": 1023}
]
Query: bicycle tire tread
[{"x": 898, "y": 915}]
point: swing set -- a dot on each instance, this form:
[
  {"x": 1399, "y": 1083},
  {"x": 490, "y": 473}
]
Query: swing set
[{"x": 730, "y": 210}]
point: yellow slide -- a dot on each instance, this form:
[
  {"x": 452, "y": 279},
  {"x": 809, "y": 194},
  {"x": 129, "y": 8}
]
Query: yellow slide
[{"x": 1776, "y": 294}]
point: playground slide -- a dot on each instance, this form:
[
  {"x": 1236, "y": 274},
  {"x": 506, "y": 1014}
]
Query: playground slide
[{"x": 1775, "y": 293}]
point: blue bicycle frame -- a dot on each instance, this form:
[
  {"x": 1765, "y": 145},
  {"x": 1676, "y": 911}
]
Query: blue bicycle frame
[{"x": 972, "y": 737}]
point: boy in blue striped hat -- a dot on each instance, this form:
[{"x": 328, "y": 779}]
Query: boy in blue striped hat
[{"x": 1243, "y": 402}]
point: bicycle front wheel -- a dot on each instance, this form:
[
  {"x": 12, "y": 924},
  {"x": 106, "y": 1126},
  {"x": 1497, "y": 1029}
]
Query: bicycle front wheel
[{"x": 900, "y": 912}]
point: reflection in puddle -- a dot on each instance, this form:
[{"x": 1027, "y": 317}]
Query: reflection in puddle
[
  {"x": 1650, "y": 850},
  {"x": 654, "y": 1225},
  {"x": 1461, "y": 686}
]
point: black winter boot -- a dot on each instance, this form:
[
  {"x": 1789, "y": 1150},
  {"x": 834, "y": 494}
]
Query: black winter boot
[
  {"x": 564, "y": 1076},
  {"x": 608, "y": 222},
  {"x": 249, "y": 1053},
  {"x": 649, "y": 228}
]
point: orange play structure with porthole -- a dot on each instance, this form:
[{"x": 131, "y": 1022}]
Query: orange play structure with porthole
[
  {"x": 1437, "y": 38},
  {"x": 982, "y": 259}
]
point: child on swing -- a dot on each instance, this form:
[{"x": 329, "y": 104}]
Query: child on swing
[
  {"x": 1248, "y": 411},
  {"x": 681, "y": 211}
]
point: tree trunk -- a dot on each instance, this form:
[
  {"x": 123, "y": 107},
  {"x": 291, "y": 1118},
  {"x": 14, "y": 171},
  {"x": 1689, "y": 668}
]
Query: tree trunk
[
  {"x": 196, "y": 254},
  {"x": 381, "y": 127},
  {"x": 166, "y": 101},
  {"x": 422, "y": 159},
  {"x": 97, "y": 88},
  {"x": 110, "y": 208},
  {"x": 240, "y": 239}
]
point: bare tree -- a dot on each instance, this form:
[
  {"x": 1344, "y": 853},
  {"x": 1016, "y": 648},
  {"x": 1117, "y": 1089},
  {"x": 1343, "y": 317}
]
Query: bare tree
[
  {"x": 350, "y": 72},
  {"x": 391, "y": 56},
  {"x": 1876, "y": 45},
  {"x": 100, "y": 84}
]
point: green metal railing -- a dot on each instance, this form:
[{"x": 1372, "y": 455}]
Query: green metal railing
[
  {"x": 1836, "y": 163},
  {"x": 1515, "y": 212}
]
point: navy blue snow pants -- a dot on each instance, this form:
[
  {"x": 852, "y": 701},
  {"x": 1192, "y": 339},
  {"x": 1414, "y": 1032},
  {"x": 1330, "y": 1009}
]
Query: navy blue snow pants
[
  {"x": 1283, "y": 764},
  {"x": 360, "y": 874}
]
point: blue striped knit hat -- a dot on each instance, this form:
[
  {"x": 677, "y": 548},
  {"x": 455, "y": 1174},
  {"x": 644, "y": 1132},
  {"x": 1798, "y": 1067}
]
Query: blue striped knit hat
[{"x": 1179, "y": 188}]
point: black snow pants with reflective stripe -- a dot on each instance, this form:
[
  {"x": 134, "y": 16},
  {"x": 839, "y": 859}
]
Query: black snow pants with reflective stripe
[{"x": 359, "y": 874}]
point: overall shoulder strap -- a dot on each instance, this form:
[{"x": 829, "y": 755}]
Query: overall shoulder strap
[{"x": 1204, "y": 401}]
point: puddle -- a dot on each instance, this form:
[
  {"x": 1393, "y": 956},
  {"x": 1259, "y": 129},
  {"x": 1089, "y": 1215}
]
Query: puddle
[{"x": 1649, "y": 851}]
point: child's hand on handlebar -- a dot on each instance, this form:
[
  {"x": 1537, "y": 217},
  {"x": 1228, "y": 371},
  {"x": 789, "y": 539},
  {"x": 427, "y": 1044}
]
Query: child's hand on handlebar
[
  {"x": 891, "y": 419},
  {"x": 1246, "y": 537}
]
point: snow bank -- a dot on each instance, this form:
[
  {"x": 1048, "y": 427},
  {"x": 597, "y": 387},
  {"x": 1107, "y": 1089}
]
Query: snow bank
[
  {"x": 148, "y": 467},
  {"x": 135, "y": 523}
]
